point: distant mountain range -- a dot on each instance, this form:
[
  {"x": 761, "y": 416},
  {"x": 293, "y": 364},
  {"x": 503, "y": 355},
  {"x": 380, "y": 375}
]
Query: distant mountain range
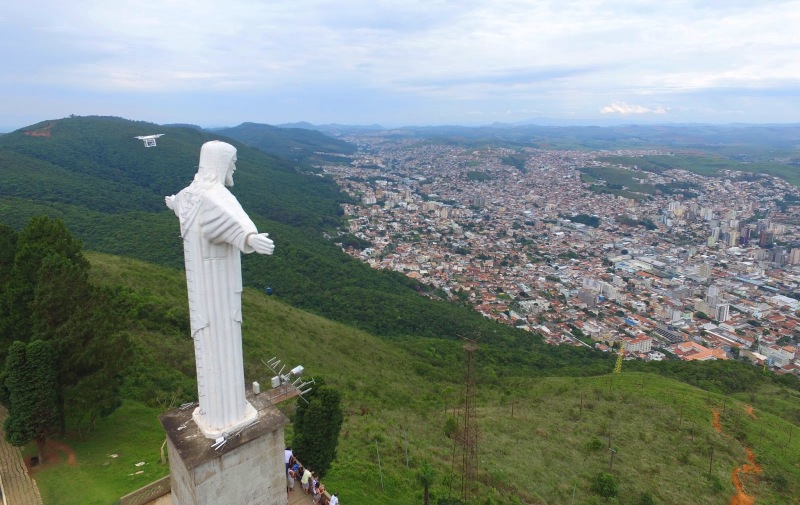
[
  {"x": 297, "y": 144},
  {"x": 739, "y": 141},
  {"x": 304, "y": 141}
]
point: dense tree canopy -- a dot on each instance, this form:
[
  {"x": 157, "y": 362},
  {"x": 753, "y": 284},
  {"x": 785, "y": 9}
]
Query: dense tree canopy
[
  {"x": 45, "y": 254},
  {"x": 47, "y": 296},
  {"x": 31, "y": 381},
  {"x": 8, "y": 247},
  {"x": 316, "y": 428}
]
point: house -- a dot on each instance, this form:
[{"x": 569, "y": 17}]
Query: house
[
  {"x": 692, "y": 351},
  {"x": 641, "y": 344}
]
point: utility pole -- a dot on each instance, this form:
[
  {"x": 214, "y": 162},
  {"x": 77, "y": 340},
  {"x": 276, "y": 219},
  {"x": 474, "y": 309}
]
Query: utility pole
[
  {"x": 406, "y": 434},
  {"x": 379, "y": 464},
  {"x": 710, "y": 460}
]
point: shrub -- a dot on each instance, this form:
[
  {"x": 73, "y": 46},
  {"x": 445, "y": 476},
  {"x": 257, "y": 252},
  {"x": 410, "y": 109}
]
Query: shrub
[
  {"x": 716, "y": 484},
  {"x": 605, "y": 485},
  {"x": 779, "y": 482},
  {"x": 594, "y": 445},
  {"x": 646, "y": 499},
  {"x": 450, "y": 501},
  {"x": 450, "y": 426}
]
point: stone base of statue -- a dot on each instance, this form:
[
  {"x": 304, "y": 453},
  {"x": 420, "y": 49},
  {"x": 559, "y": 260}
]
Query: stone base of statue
[
  {"x": 250, "y": 415},
  {"x": 247, "y": 469}
]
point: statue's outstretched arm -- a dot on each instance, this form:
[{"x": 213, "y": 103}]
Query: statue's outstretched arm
[{"x": 261, "y": 243}]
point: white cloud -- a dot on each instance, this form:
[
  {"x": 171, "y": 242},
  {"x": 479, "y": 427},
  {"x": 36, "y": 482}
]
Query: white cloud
[
  {"x": 625, "y": 109},
  {"x": 548, "y": 55}
]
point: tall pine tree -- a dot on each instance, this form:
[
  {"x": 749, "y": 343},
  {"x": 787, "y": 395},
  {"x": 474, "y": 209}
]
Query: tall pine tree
[
  {"x": 41, "y": 243},
  {"x": 316, "y": 428},
  {"x": 31, "y": 380},
  {"x": 47, "y": 296},
  {"x": 8, "y": 248}
]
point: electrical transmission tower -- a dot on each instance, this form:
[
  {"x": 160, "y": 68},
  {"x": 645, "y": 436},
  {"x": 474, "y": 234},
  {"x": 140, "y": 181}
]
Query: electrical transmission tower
[{"x": 468, "y": 435}]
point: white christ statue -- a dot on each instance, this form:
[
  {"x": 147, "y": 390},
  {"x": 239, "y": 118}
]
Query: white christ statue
[{"x": 215, "y": 229}]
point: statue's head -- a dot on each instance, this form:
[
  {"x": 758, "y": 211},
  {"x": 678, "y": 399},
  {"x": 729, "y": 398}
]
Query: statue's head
[{"x": 217, "y": 163}]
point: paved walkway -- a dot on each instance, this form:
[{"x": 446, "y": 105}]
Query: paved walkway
[
  {"x": 296, "y": 497},
  {"x": 19, "y": 488}
]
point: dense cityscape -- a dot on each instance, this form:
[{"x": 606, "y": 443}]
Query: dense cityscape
[{"x": 667, "y": 263}]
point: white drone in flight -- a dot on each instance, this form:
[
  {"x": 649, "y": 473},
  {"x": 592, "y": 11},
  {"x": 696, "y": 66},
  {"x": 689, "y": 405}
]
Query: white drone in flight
[{"x": 149, "y": 140}]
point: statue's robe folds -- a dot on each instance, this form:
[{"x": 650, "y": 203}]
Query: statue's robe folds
[{"x": 215, "y": 229}]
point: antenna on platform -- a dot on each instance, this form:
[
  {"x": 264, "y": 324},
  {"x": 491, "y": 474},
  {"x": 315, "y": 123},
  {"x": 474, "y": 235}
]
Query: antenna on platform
[
  {"x": 303, "y": 392},
  {"x": 286, "y": 385}
]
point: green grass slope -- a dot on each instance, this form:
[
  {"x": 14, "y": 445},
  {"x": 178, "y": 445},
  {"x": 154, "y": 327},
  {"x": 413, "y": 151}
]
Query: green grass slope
[
  {"x": 541, "y": 439},
  {"x": 104, "y": 468}
]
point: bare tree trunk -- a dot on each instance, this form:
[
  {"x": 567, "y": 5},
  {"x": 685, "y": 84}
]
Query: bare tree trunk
[
  {"x": 40, "y": 441},
  {"x": 62, "y": 429}
]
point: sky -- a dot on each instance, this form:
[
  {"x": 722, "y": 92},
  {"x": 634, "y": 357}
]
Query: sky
[{"x": 408, "y": 62}]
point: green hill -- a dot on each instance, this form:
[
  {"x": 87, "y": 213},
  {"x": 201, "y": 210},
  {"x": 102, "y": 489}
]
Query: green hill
[
  {"x": 541, "y": 439},
  {"x": 109, "y": 189},
  {"x": 299, "y": 144}
]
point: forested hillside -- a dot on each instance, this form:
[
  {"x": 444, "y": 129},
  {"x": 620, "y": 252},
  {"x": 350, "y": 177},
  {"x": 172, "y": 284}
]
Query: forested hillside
[
  {"x": 109, "y": 190},
  {"x": 297, "y": 144}
]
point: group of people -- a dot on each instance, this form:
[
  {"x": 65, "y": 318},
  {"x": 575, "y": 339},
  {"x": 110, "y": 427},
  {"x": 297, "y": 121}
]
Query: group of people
[{"x": 309, "y": 482}]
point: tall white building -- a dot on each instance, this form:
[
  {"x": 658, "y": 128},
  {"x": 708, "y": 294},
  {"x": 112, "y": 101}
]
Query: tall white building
[{"x": 722, "y": 312}]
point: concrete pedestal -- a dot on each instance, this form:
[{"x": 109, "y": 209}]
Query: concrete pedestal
[{"x": 247, "y": 470}]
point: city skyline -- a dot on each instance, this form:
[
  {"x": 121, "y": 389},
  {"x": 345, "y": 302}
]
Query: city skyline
[
  {"x": 669, "y": 259},
  {"x": 402, "y": 63}
]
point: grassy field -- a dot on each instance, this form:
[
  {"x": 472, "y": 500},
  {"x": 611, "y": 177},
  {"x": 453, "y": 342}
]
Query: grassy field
[
  {"x": 396, "y": 406},
  {"x": 620, "y": 176},
  {"x": 708, "y": 165},
  {"x": 133, "y": 434}
]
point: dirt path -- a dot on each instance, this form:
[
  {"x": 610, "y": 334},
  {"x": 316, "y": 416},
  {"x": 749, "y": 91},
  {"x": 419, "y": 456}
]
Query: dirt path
[
  {"x": 56, "y": 448},
  {"x": 55, "y": 453},
  {"x": 715, "y": 422},
  {"x": 740, "y": 498}
]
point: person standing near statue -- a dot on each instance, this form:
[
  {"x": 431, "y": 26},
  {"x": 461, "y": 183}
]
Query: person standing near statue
[{"x": 215, "y": 230}]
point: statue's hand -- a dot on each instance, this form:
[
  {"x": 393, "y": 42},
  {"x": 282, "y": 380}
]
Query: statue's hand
[
  {"x": 261, "y": 243},
  {"x": 170, "y": 201}
]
